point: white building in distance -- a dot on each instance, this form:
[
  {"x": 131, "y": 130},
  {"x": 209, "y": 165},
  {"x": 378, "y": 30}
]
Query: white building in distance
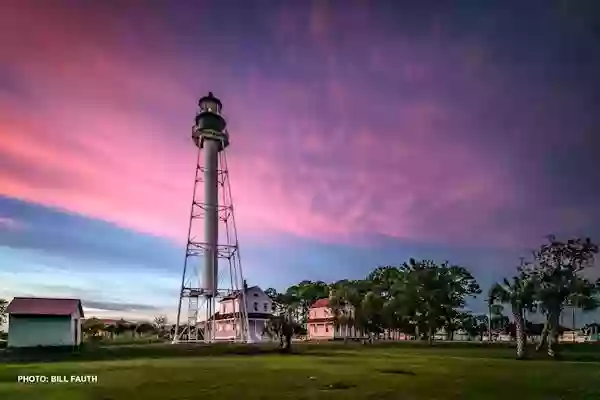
[{"x": 258, "y": 306}]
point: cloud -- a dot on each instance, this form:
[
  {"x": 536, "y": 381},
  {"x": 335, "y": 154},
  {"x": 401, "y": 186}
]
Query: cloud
[
  {"x": 34, "y": 273},
  {"x": 417, "y": 139},
  {"x": 10, "y": 224},
  {"x": 84, "y": 239},
  {"x": 110, "y": 306}
]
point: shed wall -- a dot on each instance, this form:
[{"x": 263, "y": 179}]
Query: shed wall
[{"x": 31, "y": 331}]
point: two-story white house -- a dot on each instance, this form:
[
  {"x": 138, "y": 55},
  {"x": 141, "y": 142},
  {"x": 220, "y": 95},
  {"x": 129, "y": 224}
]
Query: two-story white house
[
  {"x": 322, "y": 326},
  {"x": 258, "y": 306},
  {"x": 321, "y": 323}
]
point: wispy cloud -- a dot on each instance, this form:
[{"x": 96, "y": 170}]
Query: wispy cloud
[
  {"x": 112, "y": 306},
  {"x": 418, "y": 134},
  {"x": 10, "y": 224}
]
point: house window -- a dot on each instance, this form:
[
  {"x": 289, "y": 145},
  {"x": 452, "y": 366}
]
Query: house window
[
  {"x": 255, "y": 306},
  {"x": 314, "y": 328},
  {"x": 326, "y": 328},
  {"x": 266, "y": 307}
]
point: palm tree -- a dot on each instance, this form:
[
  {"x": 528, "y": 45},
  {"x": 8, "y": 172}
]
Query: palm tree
[
  {"x": 490, "y": 302},
  {"x": 556, "y": 272},
  {"x": 519, "y": 294}
]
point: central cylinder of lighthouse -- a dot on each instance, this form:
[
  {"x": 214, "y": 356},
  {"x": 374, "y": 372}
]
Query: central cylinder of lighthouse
[
  {"x": 211, "y": 137},
  {"x": 211, "y": 214}
]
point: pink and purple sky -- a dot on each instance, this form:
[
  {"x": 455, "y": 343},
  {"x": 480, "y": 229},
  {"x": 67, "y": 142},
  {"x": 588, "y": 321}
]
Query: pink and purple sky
[{"x": 363, "y": 133}]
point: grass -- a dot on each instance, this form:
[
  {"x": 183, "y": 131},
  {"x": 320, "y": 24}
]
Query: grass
[{"x": 324, "y": 371}]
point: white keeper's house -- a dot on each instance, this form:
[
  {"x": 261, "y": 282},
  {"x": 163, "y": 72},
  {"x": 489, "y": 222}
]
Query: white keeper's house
[{"x": 258, "y": 306}]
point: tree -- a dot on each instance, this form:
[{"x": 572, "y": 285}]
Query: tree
[
  {"x": 3, "y": 316},
  {"x": 519, "y": 293},
  {"x": 271, "y": 293},
  {"x": 283, "y": 328},
  {"x": 495, "y": 311},
  {"x": 583, "y": 297},
  {"x": 427, "y": 293},
  {"x": 160, "y": 322},
  {"x": 144, "y": 328},
  {"x": 132, "y": 328},
  {"x": 471, "y": 324},
  {"x": 344, "y": 298},
  {"x": 452, "y": 321},
  {"x": 591, "y": 329},
  {"x": 121, "y": 326},
  {"x": 556, "y": 273},
  {"x": 110, "y": 329},
  {"x": 283, "y": 325},
  {"x": 482, "y": 324},
  {"x": 383, "y": 279},
  {"x": 368, "y": 317},
  {"x": 92, "y": 327},
  {"x": 304, "y": 294},
  {"x": 283, "y": 303},
  {"x": 498, "y": 321}
]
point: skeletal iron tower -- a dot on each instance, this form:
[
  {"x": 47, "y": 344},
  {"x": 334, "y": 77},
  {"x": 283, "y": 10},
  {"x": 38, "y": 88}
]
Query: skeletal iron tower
[{"x": 212, "y": 269}]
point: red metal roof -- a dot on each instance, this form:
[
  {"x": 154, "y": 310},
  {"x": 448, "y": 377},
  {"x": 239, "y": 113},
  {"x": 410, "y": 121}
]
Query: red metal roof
[
  {"x": 320, "y": 303},
  {"x": 44, "y": 306}
]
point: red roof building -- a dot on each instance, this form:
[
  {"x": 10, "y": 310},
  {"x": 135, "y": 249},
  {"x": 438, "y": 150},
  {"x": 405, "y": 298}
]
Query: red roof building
[
  {"x": 36, "y": 321},
  {"x": 321, "y": 323},
  {"x": 320, "y": 303},
  {"x": 44, "y": 306}
]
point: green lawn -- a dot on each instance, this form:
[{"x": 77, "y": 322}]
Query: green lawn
[{"x": 317, "y": 371}]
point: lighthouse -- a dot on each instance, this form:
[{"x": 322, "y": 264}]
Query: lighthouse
[{"x": 212, "y": 269}]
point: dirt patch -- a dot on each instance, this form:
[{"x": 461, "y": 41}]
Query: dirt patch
[{"x": 396, "y": 371}]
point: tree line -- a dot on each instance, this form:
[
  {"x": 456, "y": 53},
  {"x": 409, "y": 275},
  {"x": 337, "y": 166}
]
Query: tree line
[
  {"x": 420, "y": 297},
  {"x": 94, "y": 328}
]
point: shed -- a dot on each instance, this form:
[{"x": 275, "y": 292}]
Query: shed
[{"x": 34, "y": 321}]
